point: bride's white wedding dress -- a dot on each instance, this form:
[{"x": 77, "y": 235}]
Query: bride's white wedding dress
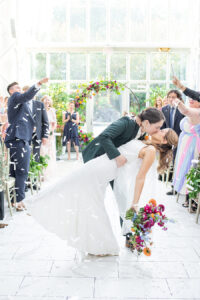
[{"x": 74, "y": 209}]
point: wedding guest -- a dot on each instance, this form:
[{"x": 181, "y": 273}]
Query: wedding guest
[
  {"x": 19, "y": 134},
  {"x": 41, "y": 128},
  {"x": 172, "y": 115},
  {"x": 70, "y": 134},
  {"x": 188, "y": 92},
  {"x": 188, "y": 145},
  {"x": 165, "y": 101},
  {"x": 173, "y": 118},
  {"x": 158, "y": 103},
  {"x": 3, "y": 116},
  {"x": 50, "y": 147},
  {"x": 3, "y": 110}
]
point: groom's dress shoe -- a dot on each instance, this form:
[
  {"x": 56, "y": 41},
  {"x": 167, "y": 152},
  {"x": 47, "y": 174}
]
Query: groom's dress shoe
[{"x": 170, "y": 193}]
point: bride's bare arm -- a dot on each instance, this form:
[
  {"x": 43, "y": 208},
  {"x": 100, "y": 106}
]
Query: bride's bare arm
[{"x": 149, "y": 154}]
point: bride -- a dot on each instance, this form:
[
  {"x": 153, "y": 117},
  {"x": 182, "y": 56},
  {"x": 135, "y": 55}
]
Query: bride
[{"x": 75, "y": 209}]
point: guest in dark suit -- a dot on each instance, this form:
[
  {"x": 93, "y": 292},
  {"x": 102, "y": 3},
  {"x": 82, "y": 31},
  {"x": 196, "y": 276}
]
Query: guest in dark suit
[
  {"x": 41, "y": 128},
  {"x": 173, "y": 116},
  {"x": 19, "y": 134},
  {"x": 188, "y": 92},
  {"x": 41, "y": 132},
  {"x": 121, "y": 132},
  {"x": 171, "y": 113}
]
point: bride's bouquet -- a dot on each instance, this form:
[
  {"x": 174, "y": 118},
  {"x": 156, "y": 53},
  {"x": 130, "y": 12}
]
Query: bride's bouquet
[{"x": 142, "y": 223}]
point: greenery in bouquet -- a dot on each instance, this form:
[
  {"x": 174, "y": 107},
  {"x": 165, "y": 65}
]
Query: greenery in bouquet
[
  {"x": 142, "y": 223},
  {"x": 193, "y": 181}
]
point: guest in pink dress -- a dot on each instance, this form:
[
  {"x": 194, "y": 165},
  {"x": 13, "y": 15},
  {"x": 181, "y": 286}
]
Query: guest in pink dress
[{"x": 50, "y": 147}]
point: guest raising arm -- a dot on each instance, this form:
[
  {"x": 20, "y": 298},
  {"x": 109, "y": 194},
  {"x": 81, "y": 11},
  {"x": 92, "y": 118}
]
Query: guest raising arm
[{"x": 188, "y": 92}]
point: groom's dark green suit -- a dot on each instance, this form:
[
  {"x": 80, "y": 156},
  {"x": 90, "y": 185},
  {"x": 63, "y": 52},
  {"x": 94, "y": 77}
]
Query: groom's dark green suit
[{"x": 116, "y": 134}]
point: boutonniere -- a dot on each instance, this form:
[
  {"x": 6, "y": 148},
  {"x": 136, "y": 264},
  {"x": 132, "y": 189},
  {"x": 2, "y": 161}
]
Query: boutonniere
[{"x": 146, "y": 137}]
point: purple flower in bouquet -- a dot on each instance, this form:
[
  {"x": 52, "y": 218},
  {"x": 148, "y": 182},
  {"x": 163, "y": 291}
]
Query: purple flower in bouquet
[
  {"x": 138, "y": 240},
  {"x": 161, "y": 207},
  {"x": 161, "y": 224},
  {"x": 148, "y": 209},
  {"x": 144, "y": 216},
  {"x": 149, "y": 223}
]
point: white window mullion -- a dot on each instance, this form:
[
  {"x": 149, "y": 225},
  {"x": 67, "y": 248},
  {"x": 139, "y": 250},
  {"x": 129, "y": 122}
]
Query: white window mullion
[
  {"x": 48, "y": 65},
  {"x": 148, "y": 65},
  {"x": 168, "y": 70},
  {"x": 108, "y": 60},
  {"x": 127, "y": 92},
  {"x": 88, "y": 67},
  {"x": 68, "y": 71}
]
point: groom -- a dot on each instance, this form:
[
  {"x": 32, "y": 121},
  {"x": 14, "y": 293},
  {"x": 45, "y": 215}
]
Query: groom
[{"x": 122, "y": 131}]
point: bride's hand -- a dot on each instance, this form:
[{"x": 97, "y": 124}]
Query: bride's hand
[
  {"x": 120, "y": 160},
  {"x": 134, "y": 207}
]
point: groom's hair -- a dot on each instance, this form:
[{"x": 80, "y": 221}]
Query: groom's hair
[{"x": 152, "y": 114}]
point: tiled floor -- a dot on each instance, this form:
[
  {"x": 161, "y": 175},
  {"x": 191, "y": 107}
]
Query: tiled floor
[{"x": 36, "y": 265}]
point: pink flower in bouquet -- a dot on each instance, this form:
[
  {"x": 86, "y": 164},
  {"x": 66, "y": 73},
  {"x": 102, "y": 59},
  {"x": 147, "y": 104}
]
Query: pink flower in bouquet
[
  {"x": 161, "y": 224},
  {"x": 138, "y": 240},
  {"x": 148, "y": 224},
  {"x": 97, "y": 83},
  {"x": 161, "y": 207},
  {"x": 144, "y": 216},
  {"x": 81, "y": 131},
  {"x": 148, "y": 209}
]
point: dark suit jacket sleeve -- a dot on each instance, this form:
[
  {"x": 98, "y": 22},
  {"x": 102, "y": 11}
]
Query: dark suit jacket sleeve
[
  {"x": 28, "y": 95},
  {"x": 111, "y": 132},
  {"x": 45, "y": 122},
  {"x": 192, "y": 94}
]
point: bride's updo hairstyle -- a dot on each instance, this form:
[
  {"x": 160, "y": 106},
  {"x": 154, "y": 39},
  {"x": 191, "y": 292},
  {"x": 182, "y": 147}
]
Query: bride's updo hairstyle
[
  {"x": 166, "y": 150},
  {"x": 152, "y": 114}
]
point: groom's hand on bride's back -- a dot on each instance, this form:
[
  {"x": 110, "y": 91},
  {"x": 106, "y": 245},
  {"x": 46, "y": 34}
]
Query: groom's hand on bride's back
[{"x": 120, "y": 160}]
